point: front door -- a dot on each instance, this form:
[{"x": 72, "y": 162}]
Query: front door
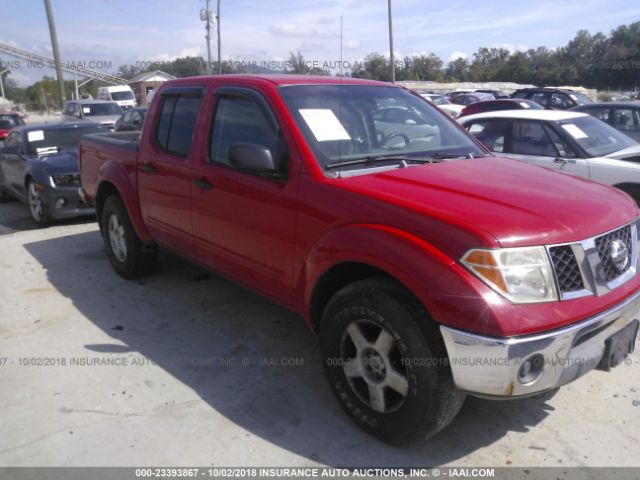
[{"x": 244, "y": 221}]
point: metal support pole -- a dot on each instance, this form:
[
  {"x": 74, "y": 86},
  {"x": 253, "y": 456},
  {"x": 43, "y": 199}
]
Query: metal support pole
[
  {"x": 391, "y": 59},
  {"x": 56, "y": 51},
  {"x": 2, "y": 83},
  {"x": 218, "y": 28},
  {"x": 208, "y": 27}
]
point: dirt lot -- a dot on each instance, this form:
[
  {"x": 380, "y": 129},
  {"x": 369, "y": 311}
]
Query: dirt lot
[{"x": 186, "y": 368}]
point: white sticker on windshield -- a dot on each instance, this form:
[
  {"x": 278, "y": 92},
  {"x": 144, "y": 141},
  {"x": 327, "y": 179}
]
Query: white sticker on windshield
[
  {"x": 573, "y": 97},
  {"x": 524, "y": 105},
  {"x": 86, "y": 110},
  {"x": 35, "y": 135},
  {"x": 574, "y": 131},
  {"x": 324, "y": 124}
]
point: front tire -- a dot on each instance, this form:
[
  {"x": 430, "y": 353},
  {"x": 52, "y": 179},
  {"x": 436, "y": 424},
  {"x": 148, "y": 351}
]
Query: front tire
[
  {"x": 129, "y": 257},
  {"x": 387, "y": 375},
  {"x": 37, "y": 207}
]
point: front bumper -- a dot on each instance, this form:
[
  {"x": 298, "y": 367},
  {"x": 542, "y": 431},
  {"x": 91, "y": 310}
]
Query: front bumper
[
  {"x": 65, "y": 202},
  {"x": 490, "y": 366}
]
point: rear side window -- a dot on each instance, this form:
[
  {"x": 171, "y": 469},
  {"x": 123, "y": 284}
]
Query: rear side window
[
  {"x": 601, "y": 113},
  {"x": 492, "y": 133},
  {"x": 530, "y": 138},
  {"x": 176, "y": 124}
]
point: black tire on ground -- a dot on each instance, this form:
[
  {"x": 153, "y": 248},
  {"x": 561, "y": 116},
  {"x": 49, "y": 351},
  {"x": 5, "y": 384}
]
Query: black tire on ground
[
  {"x": 128, "y": 255},
  {"x": 400, "y": 397},
  {"x": 38, "y": 208}
]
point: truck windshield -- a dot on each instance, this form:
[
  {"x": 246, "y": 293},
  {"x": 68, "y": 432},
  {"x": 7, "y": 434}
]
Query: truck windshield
[
  {"x": 349, "y": 122},
  {"x": 55, "y": 139},
  {"x": 596, "y": 137},
  {"x": 97, "y": 109},
  {"x": 122, "y": 95}
]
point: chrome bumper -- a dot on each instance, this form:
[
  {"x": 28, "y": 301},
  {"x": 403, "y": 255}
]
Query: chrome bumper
[{"x": 491, "y": 367}]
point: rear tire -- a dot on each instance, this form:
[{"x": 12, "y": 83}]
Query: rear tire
[
  {"x": 129, "y": 257},
  {"x": 388, "y": 374}
]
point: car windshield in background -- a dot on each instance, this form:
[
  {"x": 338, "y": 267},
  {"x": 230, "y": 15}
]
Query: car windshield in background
[
  {"x": 54, "y": 139},
  {"x": 438, "y": 100},
  {"x": 595, "y": 137},
  {"x": 351, "y": 122},
  {"x": 580, "y": 98},
  {"x": 122, "y": 95},
  {"x": 10, "y": 121},
  {"x": 98, "y": 109}
]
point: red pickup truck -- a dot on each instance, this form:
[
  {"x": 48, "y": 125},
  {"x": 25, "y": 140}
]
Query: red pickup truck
[{"x": 430, "y": 268}]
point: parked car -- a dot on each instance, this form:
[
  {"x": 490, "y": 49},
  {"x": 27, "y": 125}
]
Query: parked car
[
  {"x": 39, "y": 167},
  {"x": 411, "y": 259},
  {"x": 120, "y": 94},
  {"x": 624, "y": 117},
  {"x": 469, "y": 98},
  {"x": 497, "y": 94},
  {"x": 9, "y": 120},
  {"x": 98, "y": 111},
  {"x": 553, "y": 98},
  {"x": 570, "y": 142},
  {"x": 495, "y": 105},
  {"x": 131, "y": 120},
  {"x": 455, "y": 93},
  {"x": 443, "y": 104}
]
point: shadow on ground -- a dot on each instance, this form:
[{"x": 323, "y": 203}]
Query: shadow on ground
[
  {"x": 182, "y": 316},
  {"x": 15, "y": 217}
]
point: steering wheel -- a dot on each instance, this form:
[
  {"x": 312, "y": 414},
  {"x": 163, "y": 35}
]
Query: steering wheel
[{"x": 385, "y": 140}]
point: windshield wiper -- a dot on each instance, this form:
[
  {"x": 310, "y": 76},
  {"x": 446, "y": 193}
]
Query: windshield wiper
[{"x": 382, "y": 158}]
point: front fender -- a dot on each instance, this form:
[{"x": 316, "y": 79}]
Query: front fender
[
  {"x": 113, "y": 173},
  {"x": 447, "y": 290}
]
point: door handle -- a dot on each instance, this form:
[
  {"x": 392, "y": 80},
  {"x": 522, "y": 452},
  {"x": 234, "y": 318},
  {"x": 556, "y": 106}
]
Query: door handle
[
  {"x": 559, "y": 160},
  {"x": 203, "y": 184},
  {"x": 148, "y": 168}
]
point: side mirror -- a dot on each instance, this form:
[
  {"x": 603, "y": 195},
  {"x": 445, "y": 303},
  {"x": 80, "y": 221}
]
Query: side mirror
[{"x": 252, "y": 158}]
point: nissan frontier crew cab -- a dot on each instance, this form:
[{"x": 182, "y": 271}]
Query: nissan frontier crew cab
[{"x": 430, "y": 268}]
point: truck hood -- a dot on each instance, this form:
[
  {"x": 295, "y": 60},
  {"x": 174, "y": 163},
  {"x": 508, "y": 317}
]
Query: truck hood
[{"x": 497, "y": 199}]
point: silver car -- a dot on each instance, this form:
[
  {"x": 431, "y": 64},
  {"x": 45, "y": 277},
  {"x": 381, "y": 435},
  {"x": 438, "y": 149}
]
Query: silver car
[
  {"x": 98, "y": 111},
  {"x": 569, "y": 142}
]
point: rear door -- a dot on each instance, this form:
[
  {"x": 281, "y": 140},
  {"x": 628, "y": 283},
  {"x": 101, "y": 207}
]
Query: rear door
[
  {"x": 165, "y": 168},
  {"x": 243, "y": 221},
  {"x": 13, "y": 164}
]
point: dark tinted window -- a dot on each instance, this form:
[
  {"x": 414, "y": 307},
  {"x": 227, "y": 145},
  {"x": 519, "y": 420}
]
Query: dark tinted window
[
  {"x": 601, "y": 113},
  {"x": 176, "y": 123},
  {"x": 239, "y": 120},
  {"x": 183, "y": 124}
]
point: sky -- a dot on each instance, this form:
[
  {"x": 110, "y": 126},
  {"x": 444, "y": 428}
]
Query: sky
[{"x": 111, "y": 33}]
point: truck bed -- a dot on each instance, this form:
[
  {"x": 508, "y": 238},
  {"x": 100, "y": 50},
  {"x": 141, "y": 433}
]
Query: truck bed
[{"x": 98, "y": 149}]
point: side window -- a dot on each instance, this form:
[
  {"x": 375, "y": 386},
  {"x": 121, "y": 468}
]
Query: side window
[
  {"x": 176, "y": 124},
  {"x": 562, "y": 101},
  {"x": 626, "y": 119},
  {"x": 530, "y": 138},
  {"x": 491, "y": 133},
  {"x": 601, "y": 113},
  {"x": 126, "y": 117},
  {"x": 564, "y": 148},
  {"x": 239, "y": 120},
  {"x": 541, "y": 97},
  {"x": 12, "y": 140}
]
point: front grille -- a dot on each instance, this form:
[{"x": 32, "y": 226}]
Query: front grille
[
  {"x": 609, "y": 268},
  {"x": 566, "y": 268}
]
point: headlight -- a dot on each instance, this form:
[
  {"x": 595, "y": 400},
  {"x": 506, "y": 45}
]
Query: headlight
[
  {"x": 522, "y": 275},
  {"x": 66, "y": 180}
]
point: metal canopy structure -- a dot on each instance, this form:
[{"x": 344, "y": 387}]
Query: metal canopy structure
[{"x": 37, "y": 59}]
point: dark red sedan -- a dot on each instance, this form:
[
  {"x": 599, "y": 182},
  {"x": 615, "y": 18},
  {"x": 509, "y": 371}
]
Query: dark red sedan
[{"x": 506, "y": 104}]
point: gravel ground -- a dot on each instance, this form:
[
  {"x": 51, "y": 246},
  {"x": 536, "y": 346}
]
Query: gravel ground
[{"x": 187, "y": 368}]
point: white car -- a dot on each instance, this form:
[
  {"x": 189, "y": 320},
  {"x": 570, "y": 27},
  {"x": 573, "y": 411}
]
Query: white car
[
  {"x": 444, "y": 104},
  {"x": 569, "y": 142}
]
